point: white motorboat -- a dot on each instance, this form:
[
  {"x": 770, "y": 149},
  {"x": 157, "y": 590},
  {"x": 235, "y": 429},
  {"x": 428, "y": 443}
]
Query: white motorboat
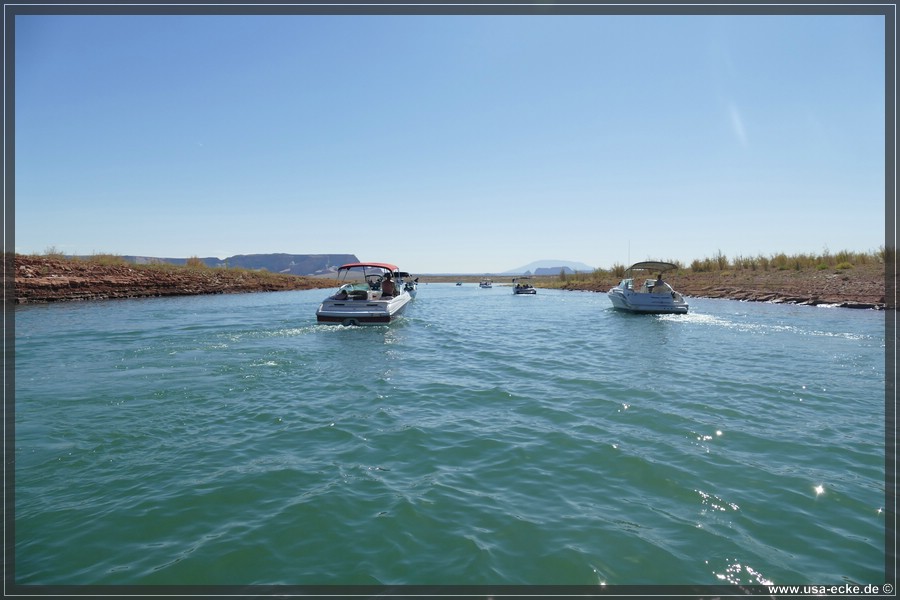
[
  {"x": 653, "y": 296},
  {"x": 409, "y": 284},
  {"x": 486, "y": 283},
  {"x": 369, "y": 294},
  {"x": 523, "y": 288}
]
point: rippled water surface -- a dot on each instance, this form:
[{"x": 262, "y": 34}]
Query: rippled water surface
[{"x": 485, "y": 438}]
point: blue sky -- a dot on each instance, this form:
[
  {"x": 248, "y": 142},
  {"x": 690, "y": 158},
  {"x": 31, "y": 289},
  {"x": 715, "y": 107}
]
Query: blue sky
[{"x": 450, "y": 143}]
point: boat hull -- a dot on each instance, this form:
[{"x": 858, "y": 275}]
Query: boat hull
[
  {"x": 637, "y": 302},
  {"x": 362, "y": 311}
]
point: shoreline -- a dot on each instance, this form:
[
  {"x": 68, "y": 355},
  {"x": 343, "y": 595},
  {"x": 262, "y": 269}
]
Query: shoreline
[
  {"x": 860, "y": 287},
  {"x": 41, "y": 280},
  {"x": 45, "y": 279}
]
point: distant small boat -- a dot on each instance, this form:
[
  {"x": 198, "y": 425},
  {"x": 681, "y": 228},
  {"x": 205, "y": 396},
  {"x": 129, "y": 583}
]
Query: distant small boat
[
  {"x": 370, "y": 294},
  {"x": 459, "y": 283},
  {"x": 653, "y": 296},
  {"x": 523, "y": 288},
  {"x": 486, "y": 283}
]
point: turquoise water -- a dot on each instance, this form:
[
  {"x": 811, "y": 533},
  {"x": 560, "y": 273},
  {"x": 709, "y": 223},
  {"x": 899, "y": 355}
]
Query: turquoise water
[{"x": 485, "y": 438}]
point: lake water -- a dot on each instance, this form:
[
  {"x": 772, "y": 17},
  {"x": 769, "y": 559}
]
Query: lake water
[{"x": 485, "y": 438}]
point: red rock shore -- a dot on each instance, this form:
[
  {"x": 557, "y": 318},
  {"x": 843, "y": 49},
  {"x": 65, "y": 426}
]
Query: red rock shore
[
  {"x": 50, "y": 279},
  {"x": 40, "y": 279}
]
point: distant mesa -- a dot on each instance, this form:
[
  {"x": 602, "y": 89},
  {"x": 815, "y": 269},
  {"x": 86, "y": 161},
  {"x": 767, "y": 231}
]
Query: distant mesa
[
  {"x": 554, "y": 271},
  {"x": 292, "y": 264},
  {"x": 551, "y": 267},
  {"x": 324, "y": 265}
]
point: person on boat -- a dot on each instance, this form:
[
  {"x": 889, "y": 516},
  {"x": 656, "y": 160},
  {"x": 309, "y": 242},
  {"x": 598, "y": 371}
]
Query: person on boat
[
  {"x": 660, "y": 286},
  {"x": 387, "y": 286}
]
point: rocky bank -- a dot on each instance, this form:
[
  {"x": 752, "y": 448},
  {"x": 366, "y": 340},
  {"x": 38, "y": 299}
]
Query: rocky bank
[
  {"x": 47, "y": 279},
  {"x": 50, "y": 279}
]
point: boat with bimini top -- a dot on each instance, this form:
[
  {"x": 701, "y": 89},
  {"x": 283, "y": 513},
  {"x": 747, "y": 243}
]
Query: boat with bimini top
[
  {"x": 654, "y": 296},
  {"x": 523, "y": 288},
  {"x": 369, "y": 294}
]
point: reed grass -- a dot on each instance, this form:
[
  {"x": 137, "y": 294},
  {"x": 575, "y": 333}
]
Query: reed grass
[
  {"x": 720, "y": 263},
  {"x": 194, "y": 262},
  {"x": 107, "y": 260},
  {"x": 52, "y": 252},
  {"x": 193, "y": 265},
  {"x": 845, "y": 259}
]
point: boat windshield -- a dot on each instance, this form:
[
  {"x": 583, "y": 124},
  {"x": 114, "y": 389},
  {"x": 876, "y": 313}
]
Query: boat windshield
[{"x": 360, "y": 273}]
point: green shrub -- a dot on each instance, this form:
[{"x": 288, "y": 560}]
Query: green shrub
[
  {"x": 721, "y": 261},
  {"x": 843, "y": 256},
  {"x": 784, "y": 262},
  {"x": 54, "y": 252},
  {"x": 107, "y": 259},
  {"x": 701, "y": 266}
]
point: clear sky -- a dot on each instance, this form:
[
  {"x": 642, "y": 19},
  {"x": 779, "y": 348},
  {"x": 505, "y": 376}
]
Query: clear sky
[{"x": 450, "y": 143}]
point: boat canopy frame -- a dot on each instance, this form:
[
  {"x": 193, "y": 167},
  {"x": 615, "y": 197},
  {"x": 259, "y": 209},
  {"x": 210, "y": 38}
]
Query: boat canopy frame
[
  {"x": 379, "y": 265},
  {"x": 652, "y": 265},
  {"x": 366, "y": 270}
]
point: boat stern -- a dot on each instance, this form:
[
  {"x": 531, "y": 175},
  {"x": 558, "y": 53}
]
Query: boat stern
[{"x": 370, "y": 309}]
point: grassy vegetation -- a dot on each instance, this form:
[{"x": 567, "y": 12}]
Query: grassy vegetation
[
  {"x": 52, "y": 252},
  {"x": 193, "y": 265},
  {"x": 107, "y": 259},
  {"x": 844, "y": 259},
  {"x": 838, "y": 262}
]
